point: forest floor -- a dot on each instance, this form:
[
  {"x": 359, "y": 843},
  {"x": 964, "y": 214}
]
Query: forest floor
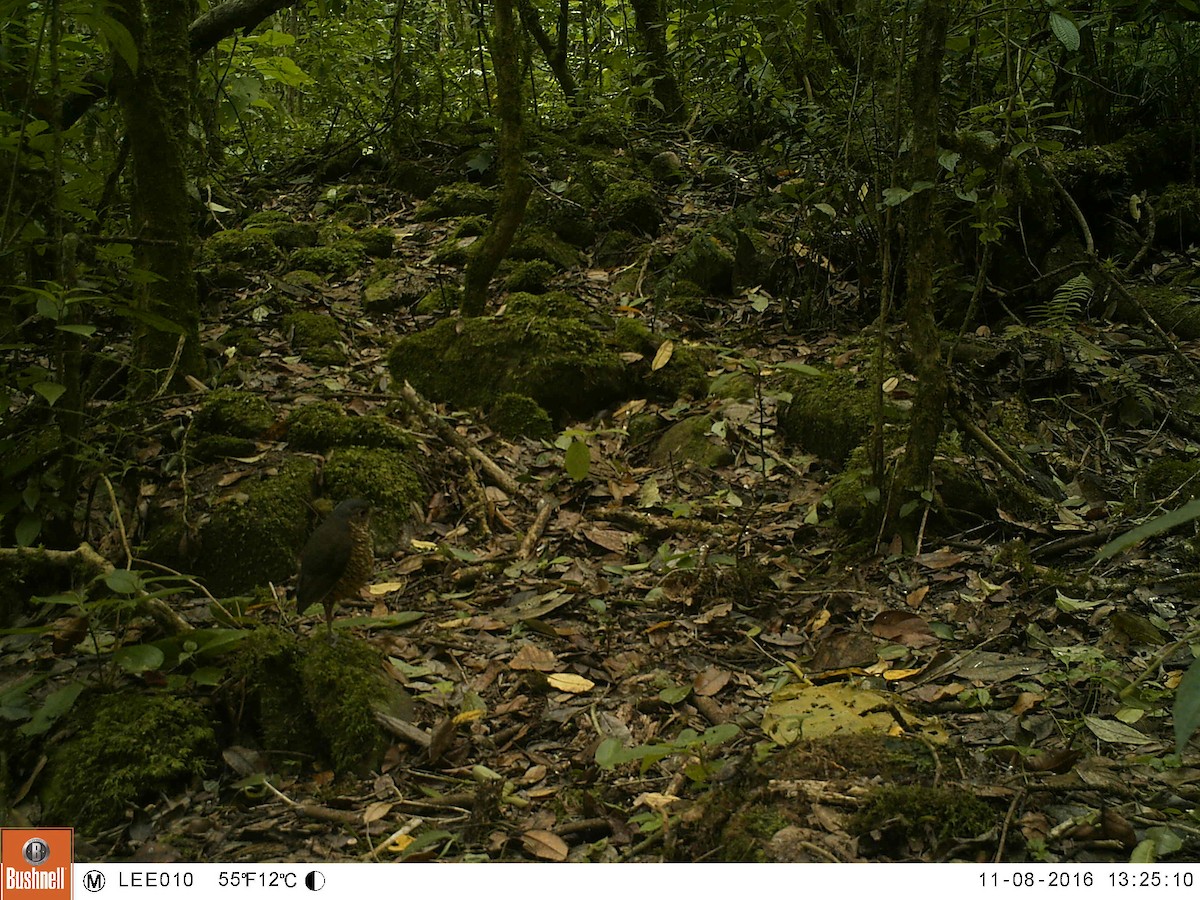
[{"x": 655, "y": 680}]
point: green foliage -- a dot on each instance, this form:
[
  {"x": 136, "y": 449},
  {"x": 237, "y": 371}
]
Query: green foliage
[{"x": 611, "y": 752}]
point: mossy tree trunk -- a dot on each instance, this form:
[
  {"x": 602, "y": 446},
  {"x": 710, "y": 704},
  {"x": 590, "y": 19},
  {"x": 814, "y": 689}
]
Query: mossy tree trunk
[
  {"x": 651, "y": 24},
  {"x": 922, "y": 227},
  {"x": 156, "y": 102},
  {"x": 510, "y": 143},
  {"x": 555, "y": 51}
]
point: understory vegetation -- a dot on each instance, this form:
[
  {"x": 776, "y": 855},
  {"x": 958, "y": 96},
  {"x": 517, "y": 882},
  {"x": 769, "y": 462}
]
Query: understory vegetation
[{"x": 779, "y": 425}]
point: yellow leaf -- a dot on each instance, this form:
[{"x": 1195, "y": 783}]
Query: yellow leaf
[
  {"x": 572, "y": 684},
  {"x": 663, "y": 356}
]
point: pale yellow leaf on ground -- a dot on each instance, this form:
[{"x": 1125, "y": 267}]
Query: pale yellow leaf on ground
[
  {"x": 572, "y": 684},
  {"x": 386, "y": 587},
  {"x": 376, "y": 811},
  {"x": 663, "y": 355}
]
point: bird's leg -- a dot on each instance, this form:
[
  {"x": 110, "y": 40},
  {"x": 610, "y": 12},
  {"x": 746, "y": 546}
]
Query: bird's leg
[{"x": 329, "y": 623}]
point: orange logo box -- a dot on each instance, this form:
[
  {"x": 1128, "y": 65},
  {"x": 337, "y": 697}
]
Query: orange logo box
[{"x": 35, "y": 863}]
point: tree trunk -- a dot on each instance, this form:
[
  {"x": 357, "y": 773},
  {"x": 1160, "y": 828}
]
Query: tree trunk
[
  {"x": 510, "y": 145},
  {"x": 155, "y": 102},
  {"x": 922, "y": 227},
  {"x": 651, "y": 26}
]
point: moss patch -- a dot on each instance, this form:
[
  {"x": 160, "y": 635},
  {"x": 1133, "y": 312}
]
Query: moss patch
[
  {"x": 316, "y": 338},
  {"x": 129, "y": 749},
  {"x": 251, "y": 543}
]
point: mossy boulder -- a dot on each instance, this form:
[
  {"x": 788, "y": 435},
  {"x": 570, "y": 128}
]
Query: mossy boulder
[
  {"x": 531, "y": 277},
  {"x": 459, "y": 199},
  {"x": 515, "y": 415},
  {"x": 829, "y": 414},
  {"x": 378, "y": 242},
  {"x": 128, "y": 750},
  {"x": 256, "y": 541},
  {"x": 471, "y": 226},
  {"x": 291, "y": 235},
  {"x": 616, "y": 248},
  {"x": 438, "y": 300},
  {"x": 542, "y": 243},
  {"x": 683, "y": 375},
  {"x": 315, "y": 337},
  {"x": 233, "y": 412},
  {"x": 412, "y": 178},
  {"x": 308, "y": 699},
  {"x": 340, "y": 259},
  {"x": 691, "y": 440},
  {"x": 569, "y": 216},
  {"x": 632, "y": 206},
  {"x": 387, "y": 477},
  {"x": 246, "y": 248},
  {"x": 563, "y": 364}
]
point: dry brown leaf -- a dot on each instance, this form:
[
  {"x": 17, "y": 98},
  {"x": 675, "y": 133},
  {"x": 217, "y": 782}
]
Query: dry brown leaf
[
  {"x": 376, "y": 811},
  {"x": 709, "y": 682},
  {"x": 545, "y": 845},
  {"x": 535, "y": 658},
  {"x": 913, "y": 600}
]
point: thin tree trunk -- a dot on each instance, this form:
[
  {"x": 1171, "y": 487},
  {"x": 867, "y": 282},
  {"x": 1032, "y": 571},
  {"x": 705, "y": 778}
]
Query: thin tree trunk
[
  {"x": 510, "y": 144},
  {"x": 922, "y": 227}
]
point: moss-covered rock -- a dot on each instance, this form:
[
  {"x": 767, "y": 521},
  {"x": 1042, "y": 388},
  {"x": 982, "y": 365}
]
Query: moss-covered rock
[
  {"x": 459, "y": 199},
  {"x": 340, "y": 259},
  {"x": 385, "y": 476},
  {"x": 233, "y": 412},
  {"x": 310, "y": 700},
  {"x": 569, "y": 216},
  {"x": 249, "y": 248},
  {"x": 617, "y": 247},
  {"x": 128, "y": 750},
  {"x": 829, "y": 415},
  {"x": 378, "y": 242},
  {"x": 632, "y": 206},
  {"x": 250, "y": 543},
  {"x": 563, "y": 364},
  {"x": 412, "y": 178},
  {"x": 353, "y": 212},
  {"x": 541, "y": 243},
  {"x": 439, "y": 300},
  {"x": 471, "y": 226},
  {"x": 316, "y": 427},
  {"x": 291, "y": 235},
  {"x": 315, "y": 337},
  {"x": 515, "y": 415},
  {"x": 531, "y": 277},
  {"x": 683, "y": 375},
  {"x": 691, "y": 440}
]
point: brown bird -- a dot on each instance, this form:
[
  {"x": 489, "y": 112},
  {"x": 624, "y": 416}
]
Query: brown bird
[{"x": 337, "y": 560}]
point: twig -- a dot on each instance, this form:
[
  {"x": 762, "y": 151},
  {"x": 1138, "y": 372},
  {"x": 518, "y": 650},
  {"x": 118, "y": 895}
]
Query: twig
[
  {"x": 425, "y": 412},
  {"x": 546, "y": 508}
]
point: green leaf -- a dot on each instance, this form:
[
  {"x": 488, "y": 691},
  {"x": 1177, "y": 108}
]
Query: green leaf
[
  {"x": 139, "y": 658},
  {"x": 123, "y": 581},
  {"x": 1066, "y": 32},
  {"x": 83, "y": 330},
  {"x": 1187, "y": 706},
  {"x": 1184, "y": 514},
  {"x": 895, "y": 196},
  {"x": 56, "y": 704},
  {"x": 578, "y": 460},
  {"x": 50, "y": 391},
  {"x": 673, "y": 695},
  {"x": 28, "y": 529},
  {"x": 948, "y": 160}
]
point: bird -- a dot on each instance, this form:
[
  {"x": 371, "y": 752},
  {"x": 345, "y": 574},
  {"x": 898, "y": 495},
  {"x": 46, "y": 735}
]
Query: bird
[{"x": 337, "y": 560}]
